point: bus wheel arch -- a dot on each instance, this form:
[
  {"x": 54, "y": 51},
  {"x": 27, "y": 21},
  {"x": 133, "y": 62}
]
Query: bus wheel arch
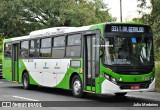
[{"x": 70, "y": 80}]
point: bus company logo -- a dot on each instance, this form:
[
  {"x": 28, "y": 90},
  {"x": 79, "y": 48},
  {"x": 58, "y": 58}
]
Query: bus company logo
[
  {"x": 35, "y": 65},
  {"x": 57, "y": 66},
  {"x": 6, "y": 104},
  {"x": 45, "y": 66},
  {"x": 56, "y": 63}
]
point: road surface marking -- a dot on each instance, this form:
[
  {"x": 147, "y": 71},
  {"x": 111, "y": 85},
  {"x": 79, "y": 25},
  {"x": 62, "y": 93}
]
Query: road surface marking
[
  {"x": 1, "y": 82},
  {"x": 25, "y": 98}
]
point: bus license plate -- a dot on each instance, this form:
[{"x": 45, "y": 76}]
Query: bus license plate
[{"x": 135, "y": 86}]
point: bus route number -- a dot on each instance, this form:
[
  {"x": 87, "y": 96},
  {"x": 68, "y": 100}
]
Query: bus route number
[{"x": 127, "y": 29}]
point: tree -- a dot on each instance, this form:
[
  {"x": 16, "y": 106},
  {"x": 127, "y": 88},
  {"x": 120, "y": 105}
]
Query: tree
[
  {"x": 19, "y": 17},
  {"x": 152, "y": 19}
]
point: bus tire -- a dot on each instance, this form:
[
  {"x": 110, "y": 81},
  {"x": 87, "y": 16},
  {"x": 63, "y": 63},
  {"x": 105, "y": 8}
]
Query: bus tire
[
  {"x": 121, "y": 94},
  {"x": 77, "y": 89},
  {"x": 26, "y": 84}
]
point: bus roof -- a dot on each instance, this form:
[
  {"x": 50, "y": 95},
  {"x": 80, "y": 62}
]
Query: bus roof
[
  {"x": 62, "y": 30},
  {"x": 56, "y": 31},
  {"x": 20, "y": 38},
  {"x": 16, "y": 38}
]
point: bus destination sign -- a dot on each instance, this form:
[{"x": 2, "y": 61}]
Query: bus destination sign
[{"x": 130, "y": 29}]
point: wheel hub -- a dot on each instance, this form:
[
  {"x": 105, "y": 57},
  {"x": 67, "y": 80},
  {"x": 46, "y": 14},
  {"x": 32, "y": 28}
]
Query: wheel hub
[
  {"x": 25, "y": 81},
  {"x": 77, "y": 87}
]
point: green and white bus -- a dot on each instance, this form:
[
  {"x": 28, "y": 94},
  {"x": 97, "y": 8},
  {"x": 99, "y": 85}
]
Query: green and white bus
[{"x": 105, "y": 58}]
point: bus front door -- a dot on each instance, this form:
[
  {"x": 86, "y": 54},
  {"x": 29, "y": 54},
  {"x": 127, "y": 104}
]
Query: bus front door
[
  {"x": 15, "y": 62},
  {"x": 91, "y": 61}
]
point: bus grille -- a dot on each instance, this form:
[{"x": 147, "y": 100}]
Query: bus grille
[
  {"x": 132, "y": 70},
  {"x": 128, "y": 86}
]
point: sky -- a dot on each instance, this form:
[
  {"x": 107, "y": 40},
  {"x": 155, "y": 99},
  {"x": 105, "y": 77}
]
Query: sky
[{"x": 129, "y": 8}]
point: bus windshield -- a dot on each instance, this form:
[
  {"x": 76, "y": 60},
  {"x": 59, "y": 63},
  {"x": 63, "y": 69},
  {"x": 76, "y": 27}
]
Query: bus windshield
[{"x": 135, "y": 51}]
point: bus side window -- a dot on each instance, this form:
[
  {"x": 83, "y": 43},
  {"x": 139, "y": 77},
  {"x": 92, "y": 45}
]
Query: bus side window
[
  {"x": 58, "y": 49},
  {"x": 24, "y": 49},
  {"x": 34, "y": 48},
  {"x": 45, "y": 48},
  {"x": 73, "y": 45},
  {"x": 7, "y": 50}
]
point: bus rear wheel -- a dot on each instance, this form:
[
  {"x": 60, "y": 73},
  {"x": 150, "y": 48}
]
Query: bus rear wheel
[
  {"x": 121, "y": 94},
  {"x": 26, "y": 84},
  {"x": 77, "y": 89}
]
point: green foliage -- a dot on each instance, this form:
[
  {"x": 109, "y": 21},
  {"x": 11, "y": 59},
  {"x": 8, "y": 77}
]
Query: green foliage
[
  {"x": 19, "y": 17},
  {"x": 157, "y": 74},
  {"x": 152, "y": 19},
  {"x": 1, "y": 48}
]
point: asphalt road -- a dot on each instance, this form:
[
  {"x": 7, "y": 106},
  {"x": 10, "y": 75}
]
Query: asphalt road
[{"x": 14, "y": 92}]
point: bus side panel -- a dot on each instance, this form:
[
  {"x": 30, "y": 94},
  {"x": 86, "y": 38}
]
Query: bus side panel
[
  {"x": 32, "y": 81},
  {"x": 7, "y": 69},
  {"x": 65, "y": 83},
  {"x": 100, "y": 79},
  {"x": 23, "y": 68},
  {"x": 7, "y": 63}
]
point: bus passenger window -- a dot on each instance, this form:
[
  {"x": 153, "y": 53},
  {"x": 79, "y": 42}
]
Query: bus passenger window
[
  {"x": 58, "y": 49},
  {"x": 34, "y": 48},
  {"x": 46, "y": 42},
  {"x": 58, "y": 52},
  {"x": 7, "y": 50},
  {"x": 73, "y": 51},
  {"x": 59, "y": 41},
  {"x": 24, "y": 45},
  {"x": 74, "y": 39},
  {"x": 73, "y": 45},
  {"x": 24, "y": 53},
  {"x": 24, "y": 49},
  {"x": 45, "y": 50},
  {"x": 33, "y": 53}
]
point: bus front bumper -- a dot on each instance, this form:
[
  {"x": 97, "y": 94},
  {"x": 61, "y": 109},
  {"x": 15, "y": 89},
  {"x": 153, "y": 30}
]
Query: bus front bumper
[{"x": 111, "y": 88}]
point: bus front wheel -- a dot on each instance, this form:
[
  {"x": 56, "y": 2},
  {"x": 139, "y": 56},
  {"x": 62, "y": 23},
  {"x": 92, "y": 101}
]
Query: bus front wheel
[
  {"x": 77, "y": 89},
  {"x": 26, "y": 84}
]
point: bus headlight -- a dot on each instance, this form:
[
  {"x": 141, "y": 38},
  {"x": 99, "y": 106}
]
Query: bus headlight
[
  {"x": 107, "y": 76},
  {"x": 113, "y": 80},
  {"x": 110, "y": 78}
]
